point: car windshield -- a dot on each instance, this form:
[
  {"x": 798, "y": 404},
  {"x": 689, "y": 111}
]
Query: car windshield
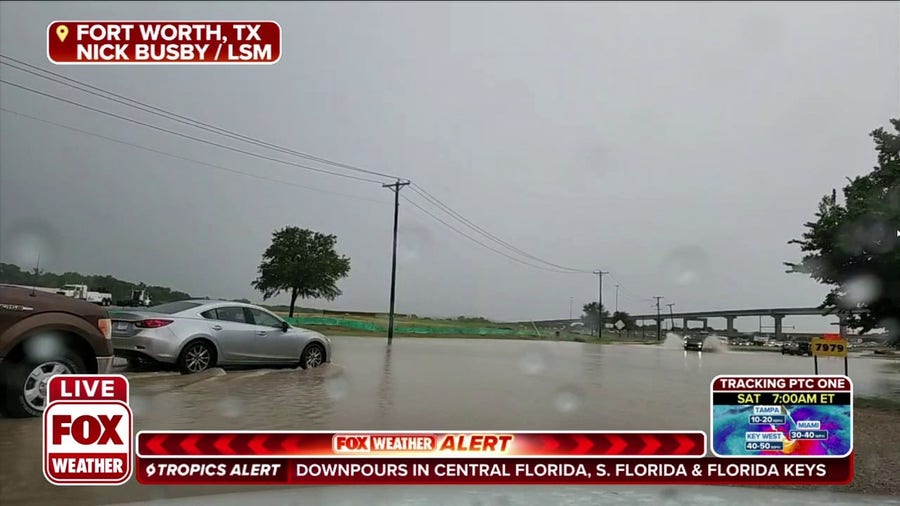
[{"x": 173, "y": 307}]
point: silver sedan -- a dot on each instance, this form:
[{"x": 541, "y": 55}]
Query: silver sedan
[{"x": 195, "y": 335}]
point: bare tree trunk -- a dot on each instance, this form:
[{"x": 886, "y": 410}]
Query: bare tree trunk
[{"x": 294, "y": 294}]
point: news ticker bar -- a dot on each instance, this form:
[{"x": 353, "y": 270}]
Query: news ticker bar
[
  {"x": 491, "y": 471},
  {"x": 422, "y": 444}
]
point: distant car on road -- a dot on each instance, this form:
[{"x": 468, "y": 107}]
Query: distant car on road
[
  {"x": 195, "y": 335},
  {"x": 801, "y": 348},
  {"x": 44, "y": 334}
]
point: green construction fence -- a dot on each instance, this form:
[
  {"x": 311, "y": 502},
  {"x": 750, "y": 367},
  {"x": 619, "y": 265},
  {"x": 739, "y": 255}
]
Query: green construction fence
[{"x": 407, "y": 329}]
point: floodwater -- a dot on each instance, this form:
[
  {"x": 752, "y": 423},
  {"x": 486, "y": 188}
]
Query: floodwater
[{"x": 422, "y": 384}]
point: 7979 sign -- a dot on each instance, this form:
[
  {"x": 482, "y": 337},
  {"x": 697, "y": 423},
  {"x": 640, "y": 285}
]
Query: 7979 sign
[{"x": 87, "y": 430}]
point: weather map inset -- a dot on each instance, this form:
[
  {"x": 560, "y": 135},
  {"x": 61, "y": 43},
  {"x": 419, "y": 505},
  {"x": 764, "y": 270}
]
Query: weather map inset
[{"x": 779, "y": 419}]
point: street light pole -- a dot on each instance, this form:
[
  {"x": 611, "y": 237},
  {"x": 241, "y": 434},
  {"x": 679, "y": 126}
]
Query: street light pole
[{"x": 617, "y": 298}]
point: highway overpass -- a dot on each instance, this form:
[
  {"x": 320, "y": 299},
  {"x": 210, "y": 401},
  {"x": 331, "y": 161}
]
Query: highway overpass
[{"x": 729, "y": 315}]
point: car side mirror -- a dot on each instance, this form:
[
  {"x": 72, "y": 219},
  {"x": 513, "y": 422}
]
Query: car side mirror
[{"x": 285, "y": 326}]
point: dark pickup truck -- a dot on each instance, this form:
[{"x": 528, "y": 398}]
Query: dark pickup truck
[
  {"x": 43, "y": 334},
  {"x": 694, "y": 343}
]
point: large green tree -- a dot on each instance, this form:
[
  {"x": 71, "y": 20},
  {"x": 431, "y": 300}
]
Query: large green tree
[
  {"x": 303, "y": 263},
  {"x": 853, "y": 244}
]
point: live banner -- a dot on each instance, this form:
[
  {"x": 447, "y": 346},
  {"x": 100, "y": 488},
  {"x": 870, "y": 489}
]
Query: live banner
[{"x": 462, "y": 458}]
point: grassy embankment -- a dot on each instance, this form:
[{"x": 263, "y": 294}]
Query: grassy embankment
[
  {"x": 468, "y": 329},
  {"x": 465, "y": 328}
]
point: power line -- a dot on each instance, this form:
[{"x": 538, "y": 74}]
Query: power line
[
  {"x": 172, "y": 155},
  {"x": 435, "y": 201},
  {"x": 121, "y": 99},
  {"x": 628, "y": 292},
  {"x": 186, "y": 136},
  {"x": 476, "y": 241}
]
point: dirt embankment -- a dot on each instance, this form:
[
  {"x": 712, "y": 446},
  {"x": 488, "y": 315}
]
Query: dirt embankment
[{"x": 876, "y": 448}]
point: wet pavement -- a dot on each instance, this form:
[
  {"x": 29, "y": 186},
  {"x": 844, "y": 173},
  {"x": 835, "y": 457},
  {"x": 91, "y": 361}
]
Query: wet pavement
[
  {"x": 453, "y": 384},
  {"x": 530, "y": 496}
]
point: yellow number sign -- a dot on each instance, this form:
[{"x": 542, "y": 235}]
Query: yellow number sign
[{"x": 829, "y": 347}]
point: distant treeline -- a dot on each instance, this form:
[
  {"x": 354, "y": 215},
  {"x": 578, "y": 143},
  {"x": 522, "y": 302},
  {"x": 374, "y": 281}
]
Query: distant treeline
[{"x": 120, "y": 290}]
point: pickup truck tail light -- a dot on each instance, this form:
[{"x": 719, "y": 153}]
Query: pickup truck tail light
[
  {"x": 153, "y": 323},
  {"x": 105, "y": 326}
]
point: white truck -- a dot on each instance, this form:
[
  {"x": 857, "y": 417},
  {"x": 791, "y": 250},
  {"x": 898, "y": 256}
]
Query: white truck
[
  {"x": 140, "y": 298},
  {"x": 82, "y": 292}
]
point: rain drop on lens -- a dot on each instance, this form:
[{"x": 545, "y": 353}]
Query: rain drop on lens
[
  {"x": 337, "y": 387},
  {"x": 861, "y": 290},
  {"x": 139, "y": 405},
  {"x": 45, "y": 346},
  {"x": 230, "y": 407},
  {"x": 532, "y": 364},
  {"x": 567, "y": 401}
]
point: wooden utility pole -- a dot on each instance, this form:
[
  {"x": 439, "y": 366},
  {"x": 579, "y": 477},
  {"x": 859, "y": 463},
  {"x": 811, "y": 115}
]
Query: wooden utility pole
[
  {"x": 658, "y": 319},
  {"x": 395, "y": 187},
  {"x": 600, "y": 274}
]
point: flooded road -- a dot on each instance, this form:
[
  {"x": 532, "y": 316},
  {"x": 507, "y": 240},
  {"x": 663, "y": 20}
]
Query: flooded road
[{"x": 454, "y": 384}]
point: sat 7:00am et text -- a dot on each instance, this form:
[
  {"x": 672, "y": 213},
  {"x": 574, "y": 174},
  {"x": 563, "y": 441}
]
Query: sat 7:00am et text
[{"x": 788, "y": 398}]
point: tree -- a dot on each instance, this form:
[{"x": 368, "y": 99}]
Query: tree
[
  {"x": 120, "y": 289},
  {"x": 303, "y": 263},
  {"x": 625, "y": 317},
  {"x": 853, "y": 244},
  {"x": 589, "y": 316}
]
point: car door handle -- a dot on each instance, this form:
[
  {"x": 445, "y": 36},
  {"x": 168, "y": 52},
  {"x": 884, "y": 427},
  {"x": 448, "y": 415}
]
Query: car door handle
[
  {"x": 261, "y": 333},
  {"x": 217, "y": 327}
]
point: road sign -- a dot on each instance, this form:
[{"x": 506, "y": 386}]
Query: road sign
[
  {"x": 87, "y": 430},
  {"x": 620, "y": 325},
  {"x": 829, "y": 347}
]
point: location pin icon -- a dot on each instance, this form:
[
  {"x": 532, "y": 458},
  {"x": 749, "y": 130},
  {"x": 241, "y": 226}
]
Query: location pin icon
[{"x": 61, "y": 32}]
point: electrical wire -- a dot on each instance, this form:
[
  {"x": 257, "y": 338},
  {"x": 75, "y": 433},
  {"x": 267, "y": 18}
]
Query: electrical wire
[
  {"x": 186, "y": 136},
  {"x": 436, "y": 202},
  {"x": 158, "y": 111},
  {"x": 179, "y": 157},
  {"x": 121, "y": 99},
  {"x": 476, "y": 241}
]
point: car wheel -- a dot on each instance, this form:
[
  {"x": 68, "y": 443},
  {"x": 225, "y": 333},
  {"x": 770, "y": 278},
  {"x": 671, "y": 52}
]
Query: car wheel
[
  {"x": 313, "y": 356},
  {"x": 25, "y": 383},
  {"x": 197, "y": 356}
]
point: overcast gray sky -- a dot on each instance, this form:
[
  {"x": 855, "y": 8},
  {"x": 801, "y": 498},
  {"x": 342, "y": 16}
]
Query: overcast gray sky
[{"x": 678, "y": 146}]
